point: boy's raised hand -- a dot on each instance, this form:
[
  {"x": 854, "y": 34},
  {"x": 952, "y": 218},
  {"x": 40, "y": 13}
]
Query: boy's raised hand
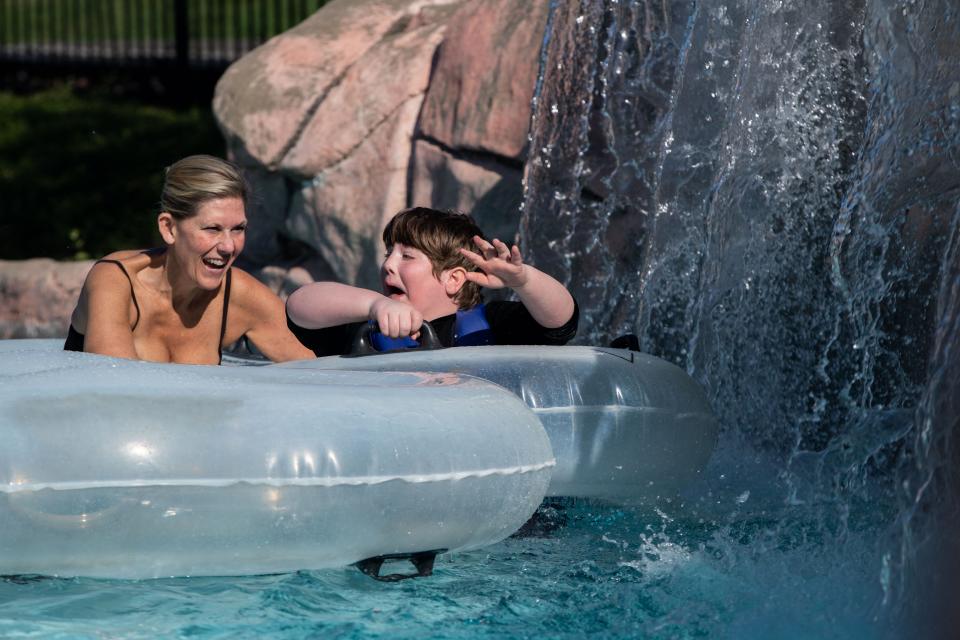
[{"x": 500, "y": 266}]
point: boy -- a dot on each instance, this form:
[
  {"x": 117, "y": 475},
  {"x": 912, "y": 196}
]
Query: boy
[{"x": 430, "y": 273}]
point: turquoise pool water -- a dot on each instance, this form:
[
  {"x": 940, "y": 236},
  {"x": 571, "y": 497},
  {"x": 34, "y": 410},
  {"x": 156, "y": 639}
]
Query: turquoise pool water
[{"x": 727, "y": 563}]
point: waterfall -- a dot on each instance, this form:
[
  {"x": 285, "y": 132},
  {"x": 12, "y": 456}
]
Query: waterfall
[{"x": 767, "y": 193}]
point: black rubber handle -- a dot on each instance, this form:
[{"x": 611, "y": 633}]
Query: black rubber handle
[
  {"x": 363, "y": 342},
  {"x": 422, "y": 561},
  {"x": 626, "y": 341}
]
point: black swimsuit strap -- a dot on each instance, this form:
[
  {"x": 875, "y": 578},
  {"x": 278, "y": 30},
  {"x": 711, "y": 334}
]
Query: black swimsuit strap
[
  {"x": 226, "y": 305},
  {"x": 132, "y": 294}
]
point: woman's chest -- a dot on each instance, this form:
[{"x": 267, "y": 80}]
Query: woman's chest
[{"x": 168, "y": 336}]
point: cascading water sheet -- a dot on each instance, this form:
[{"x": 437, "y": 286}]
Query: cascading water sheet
[{"x": 763, "y": 191}]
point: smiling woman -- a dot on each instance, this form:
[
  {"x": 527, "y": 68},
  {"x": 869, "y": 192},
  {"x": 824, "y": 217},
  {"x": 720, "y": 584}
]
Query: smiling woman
[{"x": 185, "y": 301}]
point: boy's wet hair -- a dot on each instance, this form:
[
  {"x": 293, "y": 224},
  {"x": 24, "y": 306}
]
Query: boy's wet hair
[{"x": 439, "y": 235}]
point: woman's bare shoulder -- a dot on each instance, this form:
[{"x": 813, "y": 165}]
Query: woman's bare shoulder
[
  {"x": 249, "y": 290},
  {"x": 104, "y": 271},
  {"x": 136, "y": 259}
]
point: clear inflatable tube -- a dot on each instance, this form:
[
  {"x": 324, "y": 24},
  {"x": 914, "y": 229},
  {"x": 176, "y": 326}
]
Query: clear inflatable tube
[
  {"x": 626, "y": 427},
  {"x": 126, "y": 469}
]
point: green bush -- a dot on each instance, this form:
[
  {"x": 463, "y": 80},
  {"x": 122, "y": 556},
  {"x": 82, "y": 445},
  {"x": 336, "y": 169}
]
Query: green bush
[{"x": 80, "y": 176}]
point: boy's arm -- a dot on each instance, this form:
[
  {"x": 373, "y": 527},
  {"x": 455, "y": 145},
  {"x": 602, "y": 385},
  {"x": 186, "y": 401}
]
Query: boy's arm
[
  {"x": 548, "y": 301},
  {"x": 326, "y": 304}
]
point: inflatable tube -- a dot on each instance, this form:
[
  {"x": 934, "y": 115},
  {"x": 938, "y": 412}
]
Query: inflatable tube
[
  {"x": 624, "y": 426},
  {"x": 125, "y": 469}
]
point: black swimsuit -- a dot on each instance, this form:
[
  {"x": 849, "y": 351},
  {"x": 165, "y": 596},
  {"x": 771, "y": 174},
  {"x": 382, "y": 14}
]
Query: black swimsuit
[{"x": 75, "y": 339}]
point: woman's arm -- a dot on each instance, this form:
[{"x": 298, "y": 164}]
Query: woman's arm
[
  {"x": 106, "y": 301},
  {"x": 260, "y": 315}
]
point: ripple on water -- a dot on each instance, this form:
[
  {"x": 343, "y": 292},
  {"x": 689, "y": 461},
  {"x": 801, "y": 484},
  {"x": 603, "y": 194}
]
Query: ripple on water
[{"x": 608, "y": 572}]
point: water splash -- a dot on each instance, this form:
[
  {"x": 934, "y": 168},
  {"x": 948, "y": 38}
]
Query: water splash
[{"x": 763, "y": 192}]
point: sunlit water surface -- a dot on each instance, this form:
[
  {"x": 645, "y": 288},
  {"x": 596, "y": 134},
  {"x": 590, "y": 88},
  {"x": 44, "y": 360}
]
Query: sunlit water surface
[{"x": 668, "y": 572}]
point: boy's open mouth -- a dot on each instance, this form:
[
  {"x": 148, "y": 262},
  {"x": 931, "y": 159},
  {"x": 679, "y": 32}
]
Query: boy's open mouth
[{"x": 391, "y": 290}]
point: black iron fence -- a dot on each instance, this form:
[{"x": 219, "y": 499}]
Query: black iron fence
[{"x": 133, "y": 33}]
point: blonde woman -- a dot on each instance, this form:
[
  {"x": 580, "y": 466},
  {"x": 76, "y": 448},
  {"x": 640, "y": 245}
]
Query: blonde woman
[{"x": 185, "y": 301}]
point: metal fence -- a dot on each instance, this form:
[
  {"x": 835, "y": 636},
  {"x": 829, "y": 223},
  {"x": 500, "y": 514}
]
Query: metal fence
[{"x": 185, "y": 33}]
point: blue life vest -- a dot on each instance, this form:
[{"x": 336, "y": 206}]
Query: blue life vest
[{"x": 470, "y": 329}]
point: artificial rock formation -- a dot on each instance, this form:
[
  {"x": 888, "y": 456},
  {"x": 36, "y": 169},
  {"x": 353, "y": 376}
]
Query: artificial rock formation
[
  {"x": 38, "y": 296},
  {"x": 371, "y": 106}
]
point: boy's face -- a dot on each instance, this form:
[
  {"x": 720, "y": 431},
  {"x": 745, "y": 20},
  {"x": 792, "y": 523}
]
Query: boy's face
[{"x": 407, "y": 275}]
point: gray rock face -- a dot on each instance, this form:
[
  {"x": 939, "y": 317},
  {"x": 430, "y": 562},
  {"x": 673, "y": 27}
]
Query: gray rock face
[{"x": 371, "y": 106}]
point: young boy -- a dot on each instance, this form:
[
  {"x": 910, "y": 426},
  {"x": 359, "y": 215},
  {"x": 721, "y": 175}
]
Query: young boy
[{"x": 430, "y": 273}]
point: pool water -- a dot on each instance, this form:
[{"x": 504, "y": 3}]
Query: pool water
[{"x": 728, "y": 563}]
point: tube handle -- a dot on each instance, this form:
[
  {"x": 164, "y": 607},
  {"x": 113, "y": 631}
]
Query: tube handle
[
  {"x": 422, "y": 561},
  {"x": 363, "y": 341}
]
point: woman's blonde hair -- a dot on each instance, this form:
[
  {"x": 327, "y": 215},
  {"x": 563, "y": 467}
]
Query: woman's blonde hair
[{"x": 196, "y": 179}]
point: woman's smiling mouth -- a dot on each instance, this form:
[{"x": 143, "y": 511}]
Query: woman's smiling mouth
[{"x": 217, "y": 264}]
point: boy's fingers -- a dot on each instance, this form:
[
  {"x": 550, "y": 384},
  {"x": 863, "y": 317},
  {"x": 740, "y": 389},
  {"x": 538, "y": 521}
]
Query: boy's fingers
[
  {"x": 482, "y": 244},
  {"x": 478, "y": 277},
  {"x": 385, "y": 325},
  {"x": 515, "y": 255},
  {"x": 475, "y": 258}
]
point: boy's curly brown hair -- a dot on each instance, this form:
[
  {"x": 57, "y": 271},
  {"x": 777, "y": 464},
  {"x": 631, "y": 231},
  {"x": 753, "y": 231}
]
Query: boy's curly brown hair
[{"x": 439, "y": 234}]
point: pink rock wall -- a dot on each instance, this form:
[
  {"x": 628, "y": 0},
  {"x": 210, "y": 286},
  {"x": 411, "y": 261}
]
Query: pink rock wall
[
  {"x": 38, "y": 296},
  {"x": 371, "y": 106}
]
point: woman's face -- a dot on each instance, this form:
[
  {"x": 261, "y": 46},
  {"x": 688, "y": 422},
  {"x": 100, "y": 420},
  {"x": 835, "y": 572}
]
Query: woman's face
[{"x": 206, "y": 244}]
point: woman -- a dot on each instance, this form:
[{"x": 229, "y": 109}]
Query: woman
[{"x": 184, "y": 302}]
